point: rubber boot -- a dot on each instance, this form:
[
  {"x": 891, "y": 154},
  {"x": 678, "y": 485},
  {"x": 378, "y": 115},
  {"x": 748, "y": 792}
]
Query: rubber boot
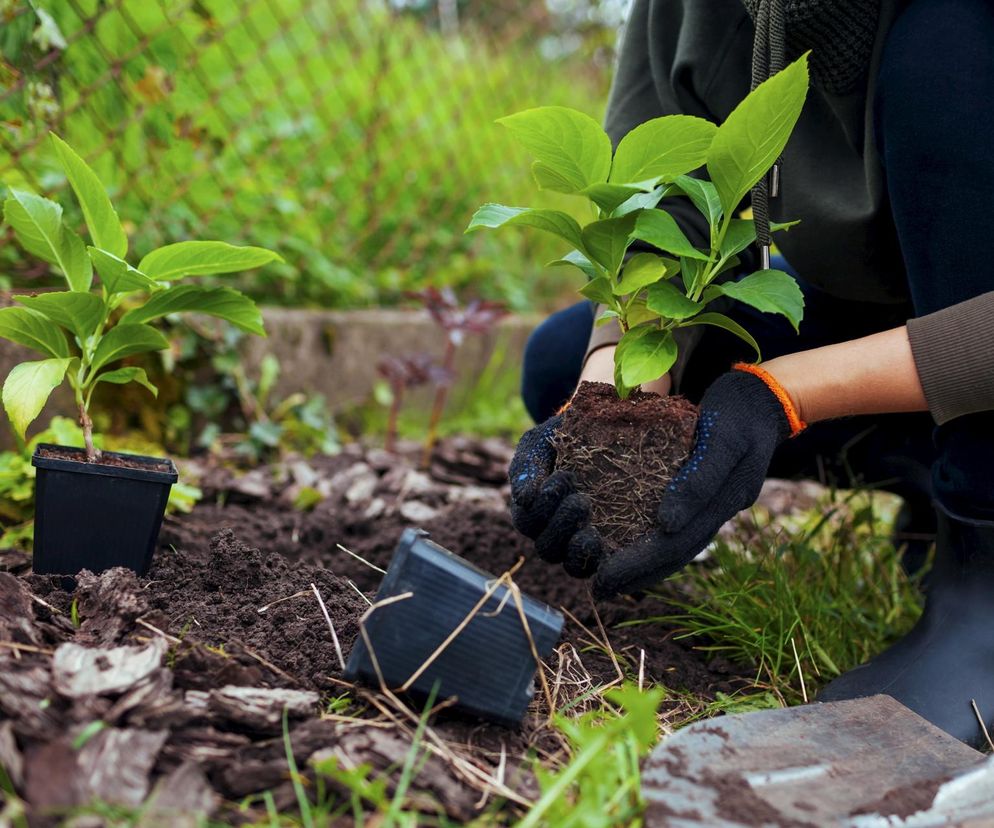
[{"x": 947, "y": 659}]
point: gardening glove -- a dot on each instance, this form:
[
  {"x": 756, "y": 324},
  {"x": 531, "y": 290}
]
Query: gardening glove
[
  {"x": 744, "y": 415},
  {"x": 545, "y": 505}
]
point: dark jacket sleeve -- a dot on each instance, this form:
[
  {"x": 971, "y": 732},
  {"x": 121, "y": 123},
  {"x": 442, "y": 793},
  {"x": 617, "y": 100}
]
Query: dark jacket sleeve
[{"x": 954, "y": 353}]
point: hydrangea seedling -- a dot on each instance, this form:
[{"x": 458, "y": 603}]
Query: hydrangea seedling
[
  {"x": 653, "y": 162},
  {"x": 83, "y": 332}
]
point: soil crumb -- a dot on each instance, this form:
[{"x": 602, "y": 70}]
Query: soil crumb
[
  {"x": 257, "y": 600},
  {"x": 624, "y": 453}
]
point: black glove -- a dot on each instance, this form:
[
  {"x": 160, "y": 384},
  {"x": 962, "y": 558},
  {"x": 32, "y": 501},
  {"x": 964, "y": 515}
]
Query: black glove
[
  {"x": 546, "y": 507},
  {"x": 742, "y": 421}
]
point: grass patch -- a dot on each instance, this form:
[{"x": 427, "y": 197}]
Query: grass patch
[{"x": 803, "y": 603}]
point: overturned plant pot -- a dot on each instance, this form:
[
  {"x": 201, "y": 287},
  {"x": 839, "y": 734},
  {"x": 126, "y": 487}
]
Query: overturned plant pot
[
  {"x": 97, "y": 515},
  {"x": 624, "y": 453},
  {"x": 438, "y": 620}
]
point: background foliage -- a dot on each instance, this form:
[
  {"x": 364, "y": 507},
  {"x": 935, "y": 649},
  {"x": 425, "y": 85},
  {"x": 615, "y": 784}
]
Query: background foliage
[{"x": 355, "y": 137}]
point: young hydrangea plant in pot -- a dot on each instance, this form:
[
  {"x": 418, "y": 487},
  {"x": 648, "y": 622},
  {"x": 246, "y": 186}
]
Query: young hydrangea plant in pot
[
  {"x": 623, "y": 444},
  {"x": 96, "y": 509}
]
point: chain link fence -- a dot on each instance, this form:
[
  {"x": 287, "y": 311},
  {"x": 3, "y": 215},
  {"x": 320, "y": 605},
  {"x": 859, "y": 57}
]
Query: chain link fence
[{"x": 354, "y": 136}]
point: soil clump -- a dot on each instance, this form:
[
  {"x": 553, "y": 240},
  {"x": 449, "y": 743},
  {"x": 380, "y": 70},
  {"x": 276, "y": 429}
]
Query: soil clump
[{"x": 624, "y": 453}]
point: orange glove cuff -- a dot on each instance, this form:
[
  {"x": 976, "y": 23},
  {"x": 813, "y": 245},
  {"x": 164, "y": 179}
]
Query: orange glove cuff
[{"x": 797, "y": 425}]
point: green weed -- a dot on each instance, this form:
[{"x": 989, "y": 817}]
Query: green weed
[{"x": 802, "y": 604}]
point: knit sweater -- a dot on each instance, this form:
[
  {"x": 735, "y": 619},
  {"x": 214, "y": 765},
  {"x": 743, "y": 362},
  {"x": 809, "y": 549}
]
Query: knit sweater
[{"x": 693, "y": 57}]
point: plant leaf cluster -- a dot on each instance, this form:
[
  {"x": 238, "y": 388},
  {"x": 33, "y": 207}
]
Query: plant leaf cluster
[
  {"x": 651, "y": 294},
  {"x": 84, "y": 331}
]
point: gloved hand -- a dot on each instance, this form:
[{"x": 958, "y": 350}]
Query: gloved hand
[
  {"x": 744, "y": 416},
  {"x": 546, "y": 507}
]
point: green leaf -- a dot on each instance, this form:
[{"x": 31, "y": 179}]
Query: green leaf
[
  {"x": 124, "y": 340},
  {"x": 29, "y": 328},
  {"x": 704, "y": 196},
  {"x": 599, "y": 290},
  {"x": 670, "y": 302},
  {"x": 117, "y": 275},
  {"x": 202, "y": 258},
  {"x": 28, "y": 387},
  {"x": 742, "y": 232},
  {"x": 663, "y": 148},
  {"x": 607, "y": 240},
  {"x": 572, "y": 150},
  {"x": 38, "y": 224},
  {"x": 770, "y": 291},
  {"x": 80, "y": 313},
  {"x": 641, "y": 201},
  {"x": 605, "y": 318},
  {"x": 101, "y": 218},
  {"x": 648, "y": 355},
  {"x": 638, "y": 312},
  {"x": 642, "y": 270},
  {"x": 658, "y": 228},
  {"x": 611, "y": 196},
  {"x": 555, "y": 222},
  {"x": 719, "y": 320},
  {"x": 122, "y": 376},
  {"x": 576, "y": 259},
  {"x": 221, "y": 302},
  {"x": 755, "y": 133}
]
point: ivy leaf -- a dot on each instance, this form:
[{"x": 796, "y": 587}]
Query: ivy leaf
[
  {"x": 770, "y": 291},
  {"x": 571, "y": 148},
  {"x": 663, "y": 148},
  {"x": 756, "y": 132},
  {"x": 607, "y": 240},
  {"x": 80, "y": 313},
  {"x": 703, "y": 195},
  {"x": 576, "y": 259},
  {"x": 670, "y": 302},
  {"x": 101, "y": 218},
  {"x": 642, "y": 270},
  {"x": 599, "y": 290},
  {"x": 124, "y": 340},
  {"x": 605, "y": 318},
  {"x": 638, "y": 312},
  {"x": 641, "y": 201},
  {"x": 28, "y": 387},
  {"x": 648, "y": 355},
  {"x": 203, "y": 258},
  {"x": 658, "y": 228},
  {"x": 555, "y": 222},
  {"x": 38, "y": 224},
  {"x": 31, "y": 329},
  {"x": 122, "y": 376},
  {"x": 719, "y": 320},
  {"x": 221, "y": 302},
  {"x": 117, "y": 275}
]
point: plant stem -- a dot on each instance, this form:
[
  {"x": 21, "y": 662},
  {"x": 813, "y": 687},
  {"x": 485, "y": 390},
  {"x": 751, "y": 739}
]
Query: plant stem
[
  {"x": 390, "y": 443},
  {"x": 92, "y": 453},
  {"x": 448, "y": 363}
]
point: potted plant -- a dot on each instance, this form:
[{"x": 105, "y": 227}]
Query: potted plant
[
  {"x": 610, "y": 439},
  {"x": 98, "y": 509}
]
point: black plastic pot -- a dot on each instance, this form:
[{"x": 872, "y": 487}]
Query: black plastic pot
[
  {"x": 488, "y": 666},
  {"x": 95, "y": 515}
]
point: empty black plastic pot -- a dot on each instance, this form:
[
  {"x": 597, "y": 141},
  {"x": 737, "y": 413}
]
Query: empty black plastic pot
[
  {"x": 97, "y": 515},
  {"x": 418, "y": 627}
]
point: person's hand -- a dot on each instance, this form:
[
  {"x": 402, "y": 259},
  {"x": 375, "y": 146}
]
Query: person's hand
[
  {"x": 546, "y": 507},
  {"x": 744, "y": 416}
]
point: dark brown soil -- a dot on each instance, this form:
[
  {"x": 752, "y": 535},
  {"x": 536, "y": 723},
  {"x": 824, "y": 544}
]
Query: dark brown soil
[
  {"x": 624, "y": 453},
  {"x": 903, "y": 802},
  {"x": 109, "y": 458},
  {"x": 229, "y": 601}
]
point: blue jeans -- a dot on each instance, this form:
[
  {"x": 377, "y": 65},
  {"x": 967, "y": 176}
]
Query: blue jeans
[{"x": 934, "y": 125}]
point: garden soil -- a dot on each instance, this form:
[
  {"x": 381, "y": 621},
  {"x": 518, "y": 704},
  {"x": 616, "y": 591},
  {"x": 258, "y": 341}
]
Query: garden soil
[
  {"x": 624, "y": 453},
  {"x": 178, "y": 681}
]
